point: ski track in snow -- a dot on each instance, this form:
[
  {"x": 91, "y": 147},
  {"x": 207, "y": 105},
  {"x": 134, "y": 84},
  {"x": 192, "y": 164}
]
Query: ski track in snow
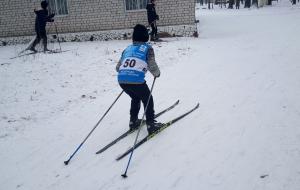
[{"x": 243, "y": 69}]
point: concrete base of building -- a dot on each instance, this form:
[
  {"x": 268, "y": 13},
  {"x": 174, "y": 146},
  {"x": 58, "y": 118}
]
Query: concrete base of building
[{"x": 168, "y": 31}]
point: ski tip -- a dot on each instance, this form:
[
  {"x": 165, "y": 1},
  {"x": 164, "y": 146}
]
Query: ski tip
[
  {"x": 197, "y": 106},
  {"x": 100, "y": 151}
]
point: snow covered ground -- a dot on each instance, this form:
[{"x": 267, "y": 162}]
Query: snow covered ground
[{"x": 243, "y": 69}]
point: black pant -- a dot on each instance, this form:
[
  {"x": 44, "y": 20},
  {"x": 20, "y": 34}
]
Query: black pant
[
  {"x": 138, "y": 93},
  {"x": 40, "y": 34},
  {"x": 153, "y": 30}
]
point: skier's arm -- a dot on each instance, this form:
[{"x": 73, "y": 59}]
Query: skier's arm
[
  {"x": 119, "y": 63},
  {"x": 50, "y": 18},
  {"x": 52, "y": 15},
  {"x": 152, "y": 66}
]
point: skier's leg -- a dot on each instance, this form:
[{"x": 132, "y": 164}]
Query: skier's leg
[
  {"x": 152, "y": 125},
  {"x": 152, "y": 34},
  {"x": 134, "y": 108},
  {"x": 135, "y": 100},
  {"x": 44, "y": 38},
  {"x": 155, "y": 31},
  {"x": 144, "y": 93},
  {"x": 36, "y": 41}
]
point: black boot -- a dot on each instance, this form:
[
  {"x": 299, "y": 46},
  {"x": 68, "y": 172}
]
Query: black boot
[
  {"x": 153, "y": 126},
  {"x": 134, "y": 124},
  {"x": 32, "y": 48}
]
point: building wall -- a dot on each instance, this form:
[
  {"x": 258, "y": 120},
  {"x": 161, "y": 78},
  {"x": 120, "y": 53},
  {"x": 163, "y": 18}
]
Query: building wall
[{"x": 17, "y": 17}]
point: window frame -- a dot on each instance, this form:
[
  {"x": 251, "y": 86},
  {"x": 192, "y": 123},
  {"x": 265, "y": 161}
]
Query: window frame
[
  {"x": 135, "y": 10},
  {"x": 56, "y": 10}
]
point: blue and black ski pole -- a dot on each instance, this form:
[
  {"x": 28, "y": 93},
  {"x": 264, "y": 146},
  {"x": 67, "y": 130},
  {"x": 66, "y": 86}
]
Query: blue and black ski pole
[
  {"x": 67, "y": 161},
  {"x": 137, "y": 135}
]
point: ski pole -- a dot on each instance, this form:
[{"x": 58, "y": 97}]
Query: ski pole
[
  {"x": 137, "y": 135},
  {"x": 57, "y": 36},
  {"x": 67, "y": 161}
]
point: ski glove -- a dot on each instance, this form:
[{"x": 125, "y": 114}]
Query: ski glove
[{"x": 157, "y": 75}]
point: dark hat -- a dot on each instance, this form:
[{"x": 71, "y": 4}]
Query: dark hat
[
  {"x": 44, "y": 4},
  {"x": 140, "y": 33}
]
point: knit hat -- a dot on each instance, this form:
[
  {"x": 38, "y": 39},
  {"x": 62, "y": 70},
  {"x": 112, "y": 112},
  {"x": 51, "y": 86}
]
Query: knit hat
[
  {"x": 140, "y": 33},
  {"x": 44, "y": 4}
]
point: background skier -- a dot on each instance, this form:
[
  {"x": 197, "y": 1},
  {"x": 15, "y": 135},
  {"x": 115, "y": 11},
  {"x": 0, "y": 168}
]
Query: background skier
[
  {"x": 42, "y": 17},
  {"x": 136, "y": 59},
  {"x": 152, "y": 17}
]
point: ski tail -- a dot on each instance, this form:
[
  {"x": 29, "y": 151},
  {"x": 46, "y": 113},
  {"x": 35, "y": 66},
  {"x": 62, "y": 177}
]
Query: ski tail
[
  {"x": 30, "y": 44},
  {"x": 166, "y": 125},
  {"x": 114, "y": 141},
  {"x": 30, "y": 53},
  {"x": 28, "y": 47},
  {"x": 131, "y": 131}
]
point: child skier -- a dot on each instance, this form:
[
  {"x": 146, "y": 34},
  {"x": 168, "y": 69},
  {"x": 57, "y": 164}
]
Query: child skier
[
  {"x": 136, "y": 59},
  {"x": 41, "y": 20},
  {"x": 152, "y": 17}
]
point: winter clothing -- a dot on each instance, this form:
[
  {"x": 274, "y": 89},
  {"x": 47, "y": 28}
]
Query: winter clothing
[
  {"x": 237, "y": 4},
  {"x": 136, "y": 59},
  {"x": 140, "y": 34},
  {"x": 153, "y": 33},
  {"x": 138, "y": 93},
  {"x": 134, "y": 64},
  {"x": 151, "y": 13},
  {"x": 41, "y": 20},
  {"x": 152, "y": 17},
  {"x": 140, "y": 55}
]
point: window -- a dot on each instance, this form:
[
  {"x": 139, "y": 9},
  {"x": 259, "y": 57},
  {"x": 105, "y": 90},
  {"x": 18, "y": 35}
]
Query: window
[
  {"x": 59, "y": 7},
  {"x": 135, "y": 4}
]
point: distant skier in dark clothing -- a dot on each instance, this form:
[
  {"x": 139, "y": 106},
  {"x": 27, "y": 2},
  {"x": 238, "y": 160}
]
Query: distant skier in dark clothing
[
  {"x": 237, "y": 4},
  {"x": 136, "y": 59},
  {"x": 42, "y": 17},
  {"x": 152, "y": 18}
]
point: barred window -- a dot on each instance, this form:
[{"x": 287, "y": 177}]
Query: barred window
[
  {"x": 59, "y": 7},
  {"x": 135, "y": 4}
]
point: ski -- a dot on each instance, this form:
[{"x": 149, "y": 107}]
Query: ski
[
  {"x": 47, "y": 52},
  {"x": 56, "y": 51},
  {"x": 158, "y": 42},
  {"x": 148, "y": 137},
  {"x": 131, "y": 131},
  {"x": 30, "y": 53}
]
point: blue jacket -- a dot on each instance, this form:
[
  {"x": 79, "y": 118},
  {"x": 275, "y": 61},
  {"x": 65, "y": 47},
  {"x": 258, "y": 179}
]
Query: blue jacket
[
  {"x": 133, "y": 64},
  {"x": 135, "y": 61}
]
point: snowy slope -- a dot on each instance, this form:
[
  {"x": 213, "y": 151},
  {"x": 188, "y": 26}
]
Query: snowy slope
[{"x": 243, "y": 69}]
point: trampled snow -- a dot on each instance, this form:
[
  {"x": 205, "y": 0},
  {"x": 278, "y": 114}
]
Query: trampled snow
[{"x": 243, "y": 69}]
